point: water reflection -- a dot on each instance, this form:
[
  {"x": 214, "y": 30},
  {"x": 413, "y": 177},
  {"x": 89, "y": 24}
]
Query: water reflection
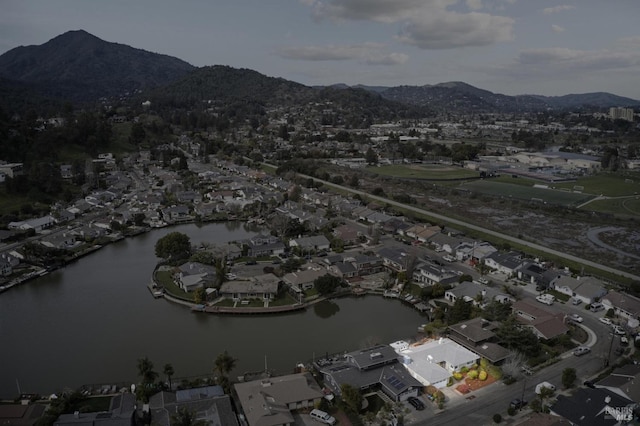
[{"x": 326, "y": 309}]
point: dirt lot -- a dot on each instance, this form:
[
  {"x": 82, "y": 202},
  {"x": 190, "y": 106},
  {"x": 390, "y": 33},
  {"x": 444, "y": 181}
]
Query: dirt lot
[{"x": 560, "y": 228}]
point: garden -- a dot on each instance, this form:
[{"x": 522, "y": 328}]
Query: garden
[{"x": 475, "y": 377}]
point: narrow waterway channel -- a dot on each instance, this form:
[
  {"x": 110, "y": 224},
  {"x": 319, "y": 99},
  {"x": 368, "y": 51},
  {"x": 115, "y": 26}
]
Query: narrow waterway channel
[{"x": 89, "y": 322}]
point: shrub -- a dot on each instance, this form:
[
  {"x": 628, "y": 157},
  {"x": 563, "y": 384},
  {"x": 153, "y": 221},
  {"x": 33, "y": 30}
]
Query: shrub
[
  {"x": 457, "y": 376},
  {"x": 511, "y": 411},
  {"x": 463, "y": 370},
  {"x": 482, "y": 375},
  {"x": 473, "y": 374},
  {"x": 497, "y": 418}
]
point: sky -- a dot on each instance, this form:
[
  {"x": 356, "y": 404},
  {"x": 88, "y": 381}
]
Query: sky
[{"x": 545, "y": 47}]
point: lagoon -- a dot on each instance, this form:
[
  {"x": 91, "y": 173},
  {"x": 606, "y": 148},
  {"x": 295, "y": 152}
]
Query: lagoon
[{"x": 89, "y": 322}]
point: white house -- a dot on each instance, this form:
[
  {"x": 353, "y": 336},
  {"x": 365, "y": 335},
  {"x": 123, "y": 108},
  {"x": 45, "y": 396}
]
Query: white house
[{"x": 434, "y": 362}]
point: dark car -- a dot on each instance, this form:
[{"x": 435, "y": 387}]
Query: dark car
[
  {"x": 417, "y": 404},
  {"x": 518, "y": 403}
]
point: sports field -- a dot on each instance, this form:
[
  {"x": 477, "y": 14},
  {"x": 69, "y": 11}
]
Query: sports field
[
  {"x": 424, "y": 171},
  {"x": 530, "y": 193},
  {"x": 609, "y": 185},
  {"x": 621, "y": 206}
]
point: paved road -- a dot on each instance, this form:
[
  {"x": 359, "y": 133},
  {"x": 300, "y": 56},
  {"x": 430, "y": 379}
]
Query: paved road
[{"x": 481, "y": 229}]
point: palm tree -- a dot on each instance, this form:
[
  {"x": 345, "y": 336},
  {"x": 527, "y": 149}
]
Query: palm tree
[
  {"x": 168, "y": 371},
  {"x": 224, "y": 363},
  {"x": 145, "y": 371},
  {"x": 185, "y": 417}
]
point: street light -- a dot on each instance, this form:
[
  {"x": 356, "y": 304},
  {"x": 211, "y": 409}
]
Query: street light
[{"x": 606, "y": 361}]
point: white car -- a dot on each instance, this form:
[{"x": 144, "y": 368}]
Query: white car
[
  {"x": 619, "y": 330},
  {"x": 582, "y": 350},
  {"x": 605, "y": 320},
  {"x": 575, "y": 317},
  {"x": 547, "y": 299}
]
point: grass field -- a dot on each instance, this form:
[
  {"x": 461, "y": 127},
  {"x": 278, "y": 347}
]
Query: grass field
[
  {"x": 423, "y": 171},
  {"x": 521, "y": 192},
  {"x": 618, "y": 206},
  {"x": 609, "y": 185}
]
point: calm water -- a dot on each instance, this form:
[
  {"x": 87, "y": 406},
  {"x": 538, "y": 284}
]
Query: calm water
[{"x": 91, "y": 321}]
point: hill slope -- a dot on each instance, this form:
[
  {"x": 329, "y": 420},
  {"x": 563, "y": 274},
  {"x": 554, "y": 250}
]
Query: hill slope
[{"x": 79, "y": 66}]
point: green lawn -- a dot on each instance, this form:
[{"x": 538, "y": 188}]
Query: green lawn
[
  {"x": 611, "y": 185},
  {"x": 521, "y": 192},
  {"x": 421, "y": 171},
  {"x": 619, "y": 206}
]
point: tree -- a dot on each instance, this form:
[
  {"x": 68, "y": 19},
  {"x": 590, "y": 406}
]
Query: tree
[
  {"x": 327, "y": 284},
  {"x": 224, "y": 363},
  {"x": 460, "y": 311},
  {"x": 174, "y": 245},
  {"x": 186, "y": 417},
  {"x": 371, "y": 157},
  {"x": 568, "y": 377},
  {"x": 168, "y": 371},
  {"x": 545, "y": 393},
  {"x": 351, "y": 397},
  {"x": 148, "y": 376}
]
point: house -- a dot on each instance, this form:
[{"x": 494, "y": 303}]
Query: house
[
  {"x": 478, "y": 335},
  {"x": 623, "y": 305},
  {"x": 208, "y": 404},
  {"x": 122, "y": 409},
  {"x": 308, "y": 244},
  {"x": 432, "y": 363},
  {"x": 478, "y": 294},
  {"x": 428, "y": 273},
  {"x": 507, "y": 263},
  {"x": 394, "y": 259},
  {"x": 37, "y": 224},
  {"x": 586, "y": 289},
  {"x": 303, "y": 280},
  {"x": 176, "y": 213},
  {"x": 624, "y": 381},
  {"x": 349, "y": 234},
  {"x": 543, "y": 323},
  {"x": 370, "y": 369},
  {"x": 445, "y": 242},
  {"x": 473, "y": 251},
  {"x": 366, "y": 264},
  {"x": 265, "y": 245},
  {"x": 193, "y": 275},
  {"x": 263, "y": 287},
  {"x": 269, "y": 402},
  {"x": 344, "y": 269},
  {"x": 21, "y": 414},
  {"x": 62, "y": 241},
  {"x": 593, "y": 407}
]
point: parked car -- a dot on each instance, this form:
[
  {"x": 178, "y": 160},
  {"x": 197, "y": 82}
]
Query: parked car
[
  {"x": 582, "y": 350},
  {"x": 575, "y": 301},
  {"x": 417, "y": 404},
  {"x": 624, "y": 341},
  {"x": 619, "y": 330},
  {"x": 596, "y": 306},
  {"x": 541, "y": 385},
  {"x": 547, "y": 299},
  {"x": 518, "y": 403},
  {"x": 605, "y": 320},
  {"x": 322, "y": 417},
  {"x": 575, "y": 317}
]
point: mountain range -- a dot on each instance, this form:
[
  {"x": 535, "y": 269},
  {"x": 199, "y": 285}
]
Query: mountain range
[{"x": 79, "y": 67}]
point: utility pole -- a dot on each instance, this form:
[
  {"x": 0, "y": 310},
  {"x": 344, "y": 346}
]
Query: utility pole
[
  {"x": 524, "y": 385},
  {"x": 606, "y": 362}
]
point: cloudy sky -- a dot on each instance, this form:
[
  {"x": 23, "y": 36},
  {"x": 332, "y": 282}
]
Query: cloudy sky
[{"x": 548, "y": 47}]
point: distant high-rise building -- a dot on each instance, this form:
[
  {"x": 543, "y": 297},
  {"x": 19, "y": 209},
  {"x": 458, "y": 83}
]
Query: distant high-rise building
[{"x": 621, "y": 113}]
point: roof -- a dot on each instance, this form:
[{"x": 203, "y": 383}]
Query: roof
[
  {"x": 121, "y": 411},
  {"x": 475, "y": 330},
  {"x": 264, "y": 402},
  {"x": 623, "y": 302},
  {"x": 371, "y": 357},
  {"x": 249, "y": 286},
  {"x": 20, "y": 415},
  {"x": 208, "y": 403},
  {"x": 547, "y": 324},
  {"x": 586, "y": 407}
]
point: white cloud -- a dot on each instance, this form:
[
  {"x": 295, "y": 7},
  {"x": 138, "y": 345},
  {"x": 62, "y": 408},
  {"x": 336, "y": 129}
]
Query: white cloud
[
  {"x": 474, "y": 4},
  {"x": 447, "y": 30},
  {"x": 427, "y": 24},
  {"x": 563, "y": 59},
  {"x": 369, "y": 53},
  {"x": 557, "y": 9},
  {"x": 557, "y": 28}
]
